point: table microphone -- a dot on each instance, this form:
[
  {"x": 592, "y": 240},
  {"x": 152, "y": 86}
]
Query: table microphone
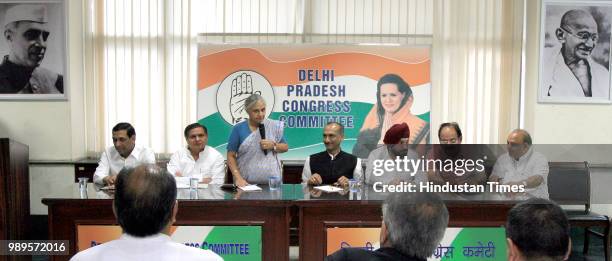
[{"x": 262, "y": 133}]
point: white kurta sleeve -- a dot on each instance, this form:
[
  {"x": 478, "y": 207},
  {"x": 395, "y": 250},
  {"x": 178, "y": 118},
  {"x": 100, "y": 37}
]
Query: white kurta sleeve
[
  {"x": 306, "y": 174},
  {"x": 102, "y": 170}
]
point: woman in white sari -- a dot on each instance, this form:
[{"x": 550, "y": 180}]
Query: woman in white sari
[{"x": 251, "y": 157}]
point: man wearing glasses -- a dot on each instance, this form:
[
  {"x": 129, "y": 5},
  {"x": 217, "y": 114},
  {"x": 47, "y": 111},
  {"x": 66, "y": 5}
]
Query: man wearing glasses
[
  {"x": 450, "y": 148},
  {"x": 522, "y": 165},
  {"x": 570, "y": 70},
  {"x": 26, "y": 34},
  {"x": 449, "y": 133}
]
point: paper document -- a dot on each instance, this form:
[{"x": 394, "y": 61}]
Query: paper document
[
  {"x": 111, "y": 187},
  {"x": 328, "y": 188},
  {"x": 250, "y": 188},
  {"x": 182, "y": 182}
]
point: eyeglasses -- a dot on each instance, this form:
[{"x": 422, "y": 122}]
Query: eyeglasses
[
  {"x": 33, "y": 34},
  {"x": 451, "y": 141},
  {"x": 584, "y": 36},
  {"x": 515, "y": 145}
]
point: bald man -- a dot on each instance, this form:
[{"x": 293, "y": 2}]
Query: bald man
[
  {"x": 522, "y": 166},
  {"x": 569, "y": 70},
  {"x": 145, "y": 206}
]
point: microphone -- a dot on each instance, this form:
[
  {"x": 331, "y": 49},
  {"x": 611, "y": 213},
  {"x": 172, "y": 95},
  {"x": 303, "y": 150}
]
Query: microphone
[{"x": 262, "y": 133}]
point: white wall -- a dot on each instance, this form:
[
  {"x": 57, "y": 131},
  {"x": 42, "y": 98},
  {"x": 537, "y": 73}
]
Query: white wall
[{"x": 52, "y": 129}]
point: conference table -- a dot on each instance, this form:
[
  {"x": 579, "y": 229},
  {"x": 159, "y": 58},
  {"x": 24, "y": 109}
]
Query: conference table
[{"x": 272, "y": 210}]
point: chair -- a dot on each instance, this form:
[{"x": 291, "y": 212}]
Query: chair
[{"x": 569, "y": 183}]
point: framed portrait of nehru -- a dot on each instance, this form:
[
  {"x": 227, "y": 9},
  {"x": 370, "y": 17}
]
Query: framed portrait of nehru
[
  {"x": 575, "y": 52},
  {"x": 33, "y": 50}
]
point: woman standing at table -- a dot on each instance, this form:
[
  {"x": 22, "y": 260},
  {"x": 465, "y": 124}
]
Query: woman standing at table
[{"x": 251, "y": 156}]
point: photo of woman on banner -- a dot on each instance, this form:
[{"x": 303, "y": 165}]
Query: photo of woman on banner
[
  {"x": 254, "y": 144},
  {"x": 394, "y": 101}
]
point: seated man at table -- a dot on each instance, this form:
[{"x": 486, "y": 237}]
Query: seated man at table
[
  {"x": 145, "y": 206},
  {"x": 332, "y": 166},
  {"x": 396, "y": 145},
  {"x": 537, "y": 229},
  {"x": 123, "y": 153},
  {"x": 522, "y": 166},
  {"x": 413, "y": 225},
  {"x": 198, "y": 159},
  {"x": 450, "y": 148}
]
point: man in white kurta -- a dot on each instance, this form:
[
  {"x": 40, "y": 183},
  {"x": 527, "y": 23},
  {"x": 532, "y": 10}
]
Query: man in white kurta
[
  {"x": 123, "y": 153},
  {"x": 569, "y": 70},
  {"x": 197, "y": 159},
  {"x": 522, "y": 165},
  {"x": 145, "y": 206},
  {"x": 157, "y": 247}
]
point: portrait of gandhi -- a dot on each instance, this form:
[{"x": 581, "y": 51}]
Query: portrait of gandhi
[{"x": 575, "y": 60}]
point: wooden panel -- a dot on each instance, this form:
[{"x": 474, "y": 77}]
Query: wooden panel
[
  {"x": 4, "y": 170},
  {"x": 292, "y": 174},
  {"x": 273, "y": 216},
  {"x": 84, "y": 170},
  {"x": 277, "y": 217},
  {"x": 316, "y": 216},
  {"x": 14, "y": 192}
]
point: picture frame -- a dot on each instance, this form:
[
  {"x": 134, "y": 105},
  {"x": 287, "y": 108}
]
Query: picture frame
[
  {"x": 575, "y": 59},
  {"x": 33, "y": 50}
]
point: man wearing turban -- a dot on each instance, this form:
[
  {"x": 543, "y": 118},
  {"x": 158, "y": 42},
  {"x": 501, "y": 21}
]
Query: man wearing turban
[{"x": 397, "y": 145}]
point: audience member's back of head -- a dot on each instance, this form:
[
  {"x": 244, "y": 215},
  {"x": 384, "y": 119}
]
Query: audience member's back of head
[
  {"x": 539, "y": 229},
  {"x": 144, "y": 200},
  {"x": 415, "y": 222}
]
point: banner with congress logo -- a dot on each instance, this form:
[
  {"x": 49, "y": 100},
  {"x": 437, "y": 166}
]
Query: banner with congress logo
[
  {"x": 230, "y": 242},
  {"x": 365, "y": 88},
  {"x": 472, "y": 243}
]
